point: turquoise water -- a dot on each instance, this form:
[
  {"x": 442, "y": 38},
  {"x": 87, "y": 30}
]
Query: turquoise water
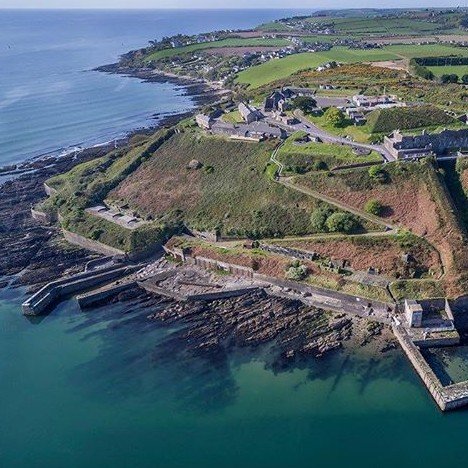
[{"x": 108, "y": 387}]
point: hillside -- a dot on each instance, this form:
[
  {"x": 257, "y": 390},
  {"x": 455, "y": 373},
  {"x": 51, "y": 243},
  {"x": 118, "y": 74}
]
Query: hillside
[
  {"x": 407, "y": 118},
  {"x": 231, "y": 192},
  {"x": 414, "y": 197}
]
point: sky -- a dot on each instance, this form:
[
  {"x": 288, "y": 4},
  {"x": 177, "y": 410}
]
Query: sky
[{"x": 285, "y": 4}]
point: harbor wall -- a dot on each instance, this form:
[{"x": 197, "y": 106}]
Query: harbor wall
[
  {"x": 54, "y": 291},
  {"x": 421, "y": 366}
]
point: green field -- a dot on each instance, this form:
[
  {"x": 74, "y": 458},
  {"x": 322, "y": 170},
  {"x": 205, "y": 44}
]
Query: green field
[
  {"x": 278, "y": 69},
  {"x": 231, "y": 42},
  {"x": 459, "y": 70},
  {"x": 282, "y": 68},
  {"x": 378, "y": 26},
  {"x": 426, "y": 50}
]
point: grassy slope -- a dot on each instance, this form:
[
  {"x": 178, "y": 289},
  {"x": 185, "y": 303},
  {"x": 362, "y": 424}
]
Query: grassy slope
[
  {"x": 459, "y": 70},
  {"x": 230, "y": 42},
  {"x": 405, "y": 118},
  {"x": 310, "y": 154},
  {"x": 236, "y": 196},
  {"x": 88, "y": 183},
  {"x": 415, "y": 198}
]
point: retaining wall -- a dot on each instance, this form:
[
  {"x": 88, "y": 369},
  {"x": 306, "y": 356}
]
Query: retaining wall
[
  {"x": 41, "y": 216},
  {"x": 49, "y": 190},
  {"x": 289, "y": 252},
  {"x": 92, "y": 245}
]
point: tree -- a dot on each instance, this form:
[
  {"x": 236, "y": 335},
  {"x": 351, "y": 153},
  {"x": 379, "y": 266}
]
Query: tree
[
  {"x": 464, "y": 79},
  {"x": 451, "y": 78},
  {"x": 334, "y": 117},
  {"x": 342, "y": 222},
  {"x": 305, "y": 104},
  {"x": 318, "y": 219},
  {"x": 373, "y": 207}
]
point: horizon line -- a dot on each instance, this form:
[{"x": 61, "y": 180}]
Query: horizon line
[{"x": 235, "y": 8}]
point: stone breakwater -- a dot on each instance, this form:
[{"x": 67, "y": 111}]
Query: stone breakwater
[
  {"x": 55, "y": 291},
  {"x": 447, "y": 398}
]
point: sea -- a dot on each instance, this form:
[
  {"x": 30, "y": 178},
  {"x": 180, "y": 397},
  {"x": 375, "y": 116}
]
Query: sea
[{"x": 109, "y": 387}]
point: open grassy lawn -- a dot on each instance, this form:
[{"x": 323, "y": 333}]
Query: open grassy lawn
[
  {"x": 233, "y": 117},
  {"x": 459, "y": 70},
  {"x": 230, "y": 42},
  {"x": 304, "y": 157},
  {"x": 282, "y": 68}
]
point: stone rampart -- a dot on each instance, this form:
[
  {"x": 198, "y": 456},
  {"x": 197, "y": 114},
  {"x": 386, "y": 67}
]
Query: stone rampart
[
  {"x": 89, "y": 244},
  {"x": 289, "y": 252}
]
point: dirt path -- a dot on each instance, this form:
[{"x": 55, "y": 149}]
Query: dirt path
[{"x": 339, "y": 204}]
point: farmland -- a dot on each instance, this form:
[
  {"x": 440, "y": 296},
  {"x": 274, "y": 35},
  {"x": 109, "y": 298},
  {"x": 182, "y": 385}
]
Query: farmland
[
  {"x": 230, "y": 42},
  {"x": 282, "y": 68},
  {"x": 459, "y": 70}
]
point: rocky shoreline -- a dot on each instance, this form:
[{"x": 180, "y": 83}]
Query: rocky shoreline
[{"x": 202, "y": 92}]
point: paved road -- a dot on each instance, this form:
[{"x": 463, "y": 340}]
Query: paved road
[{"x": 306, "y": 126}]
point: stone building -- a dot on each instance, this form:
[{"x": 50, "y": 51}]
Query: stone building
[
  {"x": 204, "y": 121},
  {"x": 249, "y": 114},
  {"x": 426, "y": 144},
  {"x": 413, "y": 313}
]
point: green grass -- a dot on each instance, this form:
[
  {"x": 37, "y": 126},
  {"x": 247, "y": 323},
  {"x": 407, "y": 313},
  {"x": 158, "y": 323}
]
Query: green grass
[
  {"x": 380, "y": 26},
  {"x": 416, "y": 289},
  {"x": 282, "y": 68},
  {"x": 89, "y": 183},
  {"x": 316, "y": 156},
  {"x": 230, "y": 42},
  {"x": 426, "y": 50},
  {"x": 459, "y": 70},
  {"x": 232, "y": 117},
  {"x": 404, "y": 118},
  {"x": 237, "y": 196}
]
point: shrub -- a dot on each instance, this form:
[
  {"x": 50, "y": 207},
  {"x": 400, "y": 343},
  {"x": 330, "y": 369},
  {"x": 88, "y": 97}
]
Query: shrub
[
  {"x": 296, "y": 273},
  {"x": 342, "y": 222},
  {"x": 450, "y": 78},
  {"x": 305, "y": 104},
  {"x": 373, "y": 207},
  {"x": 334, "y": 117},
  {"x": 378, "y": 173}
]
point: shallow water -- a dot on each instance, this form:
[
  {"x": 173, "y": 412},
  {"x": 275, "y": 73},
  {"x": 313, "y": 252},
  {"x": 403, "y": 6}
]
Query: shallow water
[{"x": 109, "y": 386}]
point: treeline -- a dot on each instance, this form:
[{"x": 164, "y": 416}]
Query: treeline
[
  {"x": 419, "y": 67},
  {"x": 451, "y": 60}
]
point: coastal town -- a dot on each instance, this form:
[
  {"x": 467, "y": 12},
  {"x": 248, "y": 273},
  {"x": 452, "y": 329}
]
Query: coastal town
[{"x": 324, "y": 179}]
